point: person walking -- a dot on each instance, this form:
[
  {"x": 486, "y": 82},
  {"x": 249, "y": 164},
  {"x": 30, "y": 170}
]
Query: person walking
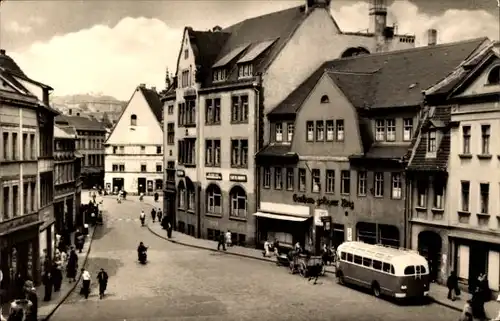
[
  {"x": 72, "y": 265},
  {"x": 221, "y": 242},
  {"x": 169, "y": 230},
  {"x": 153, "y": 215},
  {"x": 102, "y": 278},
  {"x": 56, "y": 276},
  {"x": 229, "y": 241},
  {"x": 159, "y": 215},
  {"x": 47, "y": 283},
  {"x": 85, "y": 283},
  {"x": 452, "y": 285}
]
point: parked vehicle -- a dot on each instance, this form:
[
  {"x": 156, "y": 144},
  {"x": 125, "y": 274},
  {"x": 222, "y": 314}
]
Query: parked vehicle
[{"x": 398, "y": 273}]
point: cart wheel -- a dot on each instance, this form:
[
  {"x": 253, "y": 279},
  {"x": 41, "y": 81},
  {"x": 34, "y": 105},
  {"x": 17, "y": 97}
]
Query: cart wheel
[{"x": 303, "y": 270}]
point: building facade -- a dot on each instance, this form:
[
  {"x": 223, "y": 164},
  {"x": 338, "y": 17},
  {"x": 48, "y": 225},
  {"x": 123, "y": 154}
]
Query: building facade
[
  {"x": 90, "y": 137},
  {"x": 226, "y": 81},
  {"x": 134, "y": 151},
  {"x": 348, "y": 163},
  {"x": 26, "y": 175},
  {"x": 67, "y": 180}
]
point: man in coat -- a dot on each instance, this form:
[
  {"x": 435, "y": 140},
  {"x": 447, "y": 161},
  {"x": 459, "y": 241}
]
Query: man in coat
[{"x": 102, "y": 278}]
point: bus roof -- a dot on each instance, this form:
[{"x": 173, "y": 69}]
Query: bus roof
[{"x": 381, "y": 252}]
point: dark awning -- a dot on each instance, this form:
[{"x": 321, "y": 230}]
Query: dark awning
[{"x": 277, "y": 154}]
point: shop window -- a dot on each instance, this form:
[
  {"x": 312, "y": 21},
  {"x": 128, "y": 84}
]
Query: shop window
[
  {"x": 214, "y": 199},
  {"x": 366, "y": 232},
  {"x": 388, "y": 235},
  {"x": 239, "y": 205}
]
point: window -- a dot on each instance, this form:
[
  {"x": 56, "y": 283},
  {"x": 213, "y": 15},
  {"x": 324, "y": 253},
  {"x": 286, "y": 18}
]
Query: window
[
  {"x": 186, "y": 152},
  {"x": 238, "y": 202},
  {"x": 170, "y": 134},
  {"x": 6, "y": 202},
  {"x": 465, "y": 195},
  {"x": 302, "y": 179},
  {"x": 494, "y": 76},
  {"x": 438, "y": 194},
  {"x": 170, "y": 109},
  {"x": 466, "y": 140},
  {"x": 219, "y": 74},
  {"x": 377, "y": 265},
  {"x": 388, "y": 268},
  {"x": 143, "y": 149},
  {"x": 367, "y": 262},
  {"x": 379, "y": 184},
  {"x": 33, "y": 198},
  {"x": 340, "y": 130},
  {"x": 143, "y": 168},
  {"x": 289, "y": 131},
  {"x": 25, "y": 147},
  {"x": 190, "y": 112},
  {"x": 320, "y": 131},
  {"x": 158, "y": 149},
  {"x": 484, "y": 191},
  {"x": 186, "y": 53},
  {"x": 278, "y": 127},
  {"x": 121, "y": 167},
  {"x": 245, "y": 70},
  {"x": 310, "y": 131},
  {"x": 239, "y": 109},
  {"x": 485, "y": 139},
  {"x": 15, "y": 201},
  {"x": 358, "y": 259},
  {"x": 181, "y": 189},
  {"x": 290, "y": 175},
  {"x": 181, "y": 114},
  {"x": 133, "y": 120},
  {"x": 214, "y": 199},
  {"x": 391, "y": 130},
  {"x": 409, "y": 270},
  {"x": 114, "y": 167},
  {"x": 170, "y": 171},
  {"x": 239, "y": 153},
  {"x": 315, "y": 181},
  {"x": 345, "y": 182},
  {"x": 15, "y": 151},
  {"x": 278, "y": 179},
  {"x": 26, "y": 191},
  {"x": 379, "y": 130},
  {"x": 266, "y": 179},
  {"x": 325, "y": 99},
  {"x": 431, "y": 141},
  {"x": 6, "y": 146},
  {"x": 407, "y": 129},
  {"x": 185, "y": 78},
  {"x": 396, "y": 186},
  {"x": 159, "y": 168},
  {"x": 212, "y": 111},
  {"x": 212, "y": 152},
  {"x": 190, "y": 198},
  {"x": 362, "y": 183},
  {"x": 330, "y": 130},
  {"x": 330, "y": 181},
  {"x": 33, "y": 146}
]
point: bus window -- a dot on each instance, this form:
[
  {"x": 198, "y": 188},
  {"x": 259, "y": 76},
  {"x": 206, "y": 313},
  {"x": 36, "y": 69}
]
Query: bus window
[
  {"x": 349, "y": 257},
  {"x": 377, "y": 265},
  {"x": 343, "y": 256},
  {"x": 358, "y": 259},
  {"x": 386, "y": 267},
  {"x": 420, "y": 269},
  {"x": 392, "y": 269},
  {"x": 367, "y": 262},
  {"x": 409, "y": 270}
]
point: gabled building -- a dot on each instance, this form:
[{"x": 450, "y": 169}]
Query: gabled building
[
  {"x": 455, "y": 173},
  {"x": 355, "y": 118},
  {"x": 26, "y": 175},
  {"x": 134, "y": 151},
  {"x": 226, "y": 81}
]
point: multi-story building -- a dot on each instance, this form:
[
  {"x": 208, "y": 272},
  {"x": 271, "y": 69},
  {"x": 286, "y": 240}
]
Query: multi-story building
[
  {"x": 356, "y": 118},
  {"x": 67, "y": 180},
  {"x": 456, "y": 185},
  {"x": 90, "y": 137},
  {"x": 226, "y": 81},
  {"x": 134, "y": 151},
  {"x": 26, "y": 175}
]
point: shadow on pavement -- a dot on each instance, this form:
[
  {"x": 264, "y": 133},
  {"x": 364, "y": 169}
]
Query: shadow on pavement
[
  {"x": 94, "y": 264},
  {"x": 101, "y": 231}
]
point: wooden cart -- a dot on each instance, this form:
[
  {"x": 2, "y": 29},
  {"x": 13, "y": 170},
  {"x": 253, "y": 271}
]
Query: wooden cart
[{"x": 306, "y": 265}]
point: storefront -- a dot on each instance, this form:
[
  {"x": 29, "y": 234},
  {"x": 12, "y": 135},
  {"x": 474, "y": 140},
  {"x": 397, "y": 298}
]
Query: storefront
[
  {"x": 286, "y": 223},
  {"x": 46, "y": 235}
]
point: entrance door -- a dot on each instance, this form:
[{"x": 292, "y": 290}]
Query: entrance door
[
  {"x": 429, "y": 246},
  {"x": 117, "y": 183},
  {"x": 141, "y": 185},
  {"x": 478, "y": 255}
]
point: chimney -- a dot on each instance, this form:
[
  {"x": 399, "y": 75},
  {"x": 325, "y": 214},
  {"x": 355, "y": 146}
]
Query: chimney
[
  {"x": 2, "y": 52},
  {"x": 142, "y": 85},
  {"x": 432, "y": 37},
  {"x": 378, "y": 23},
  {"x": 216, "y": 28},
  {"x": 153, "y": 88}
]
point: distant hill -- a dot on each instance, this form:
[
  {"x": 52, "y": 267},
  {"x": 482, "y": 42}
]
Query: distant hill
[{"x": 83, "y": 98}]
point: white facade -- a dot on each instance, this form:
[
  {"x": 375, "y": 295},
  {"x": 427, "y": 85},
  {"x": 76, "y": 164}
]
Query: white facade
[{"x": 134, "y": 149}]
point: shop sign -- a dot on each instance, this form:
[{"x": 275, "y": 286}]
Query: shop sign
[
  {"x": 180, "y": 173},
  {"x": 237, "y": 178},
  {"x": 344, "y": 203},
  {"x": 213, "y": 176},
  {"x": 318, "y": 215}
]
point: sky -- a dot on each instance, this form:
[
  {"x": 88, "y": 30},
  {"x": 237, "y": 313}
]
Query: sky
[{"x": 111, "y": 46}]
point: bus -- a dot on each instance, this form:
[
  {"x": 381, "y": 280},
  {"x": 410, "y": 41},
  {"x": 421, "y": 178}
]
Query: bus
[{"x": 398, "y": 273}]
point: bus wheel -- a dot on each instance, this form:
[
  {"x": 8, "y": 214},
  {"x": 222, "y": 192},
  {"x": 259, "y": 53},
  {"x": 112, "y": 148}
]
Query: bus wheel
[
  {"x": 376, "y": 289},
  {"x": 340, "y": 278}
]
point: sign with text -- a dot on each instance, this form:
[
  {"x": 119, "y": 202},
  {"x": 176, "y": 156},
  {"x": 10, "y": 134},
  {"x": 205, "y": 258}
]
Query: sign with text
[
  {"x": 344, "y": 203},
  {"x": 213, "y": 176},
  {"x": 180, "y": 173},
  {"x": 318, "y": 214},
  {"x": 237, "y": 178}
]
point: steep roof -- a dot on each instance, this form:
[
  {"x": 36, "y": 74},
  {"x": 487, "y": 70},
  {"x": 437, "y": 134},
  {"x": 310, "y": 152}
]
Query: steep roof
[
  {"x": 392, "y": 79},
  {"x": 153, "y": 100},
  {"x": 8, "y": 63},
  {"x": 81, "y": 123},
  {"x": 64, "y": 132}
]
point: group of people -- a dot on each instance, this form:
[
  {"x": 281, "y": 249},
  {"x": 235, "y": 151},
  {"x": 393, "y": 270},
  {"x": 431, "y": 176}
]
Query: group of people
[
  {"x": 481, "y": 294},
  {"x": 224, "y": 240},
  {"x": 25, "y": 307},
  {"x": 102, "y": 280}
]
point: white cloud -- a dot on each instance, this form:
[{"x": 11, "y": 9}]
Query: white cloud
[
  {"x": 16, "y": 27},
  {"x": 36, "y": 20},
  {"x": 115, "y": 60}
]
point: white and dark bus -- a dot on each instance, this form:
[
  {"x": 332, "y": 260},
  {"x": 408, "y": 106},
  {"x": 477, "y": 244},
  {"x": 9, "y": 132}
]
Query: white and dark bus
[{"x": 398, "y": 273}]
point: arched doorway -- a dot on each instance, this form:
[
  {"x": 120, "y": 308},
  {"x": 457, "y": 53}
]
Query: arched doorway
[{"x": 429, "y": 246}]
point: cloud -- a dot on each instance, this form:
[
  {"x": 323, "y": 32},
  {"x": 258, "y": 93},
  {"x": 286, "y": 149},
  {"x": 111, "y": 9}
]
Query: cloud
[
  {"x": 137, "y": 50},
  {"x": 36, "y": 20},
  {"x": 16, "y": 27}
]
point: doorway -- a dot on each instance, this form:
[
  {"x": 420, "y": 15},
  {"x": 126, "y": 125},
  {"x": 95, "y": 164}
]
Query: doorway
[
  {"x": 118, "y": 183},
  {"x": 429, "y": 246},
  {"x": 141, "y": 185},
  {"x": 479, "y": 256}
]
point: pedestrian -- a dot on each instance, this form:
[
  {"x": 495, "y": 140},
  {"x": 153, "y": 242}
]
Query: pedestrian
[
  {"x": 80, "y": 241},
  {"x": 72, "y": 265},
  {"x": 47, "y": 283},
  {"x": 477, "y": 305},
  {"x": 169, "y": 230},
  {"x": 452, "y": 285},
  {"x": 85, "y": 283},
  {"x": 221, "y": 242},
  {"x": 19, "y": 286},
  {"x": 153, "y": 214},
  {"x": 229, "y": 241},
  {"x": 31, "y": 295},
  {"x": 159, "y": 215},
  {"x": 266, "y": 252},
  {"x": 56, "y": 276},
  {"x": 102, "y": 278},
  {"x": 92, "y": 218}
]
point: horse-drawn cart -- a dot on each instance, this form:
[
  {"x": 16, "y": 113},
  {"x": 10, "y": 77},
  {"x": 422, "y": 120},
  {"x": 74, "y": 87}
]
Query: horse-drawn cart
[{"x": 307, "y": 265}]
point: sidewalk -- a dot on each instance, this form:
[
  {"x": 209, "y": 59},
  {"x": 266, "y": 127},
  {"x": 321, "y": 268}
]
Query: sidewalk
[{"x": 438, "y": 293}]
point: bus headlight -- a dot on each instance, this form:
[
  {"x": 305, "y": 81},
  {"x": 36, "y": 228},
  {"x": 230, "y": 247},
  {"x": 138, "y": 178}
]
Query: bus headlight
[{"x": 403, "y": 287}]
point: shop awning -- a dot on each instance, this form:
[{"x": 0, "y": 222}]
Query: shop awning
[{"x": 281, "y": 217}]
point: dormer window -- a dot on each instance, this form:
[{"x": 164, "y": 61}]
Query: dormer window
[
  {"x": 494, "y": 76},
  {"x": 279, "y": 132},
  {"x": 133, "y": 120},
  {"x": 325, "y": 99},
  {"x": 245, "y": 70},
  {"x": 431, "y": 141},
  {"x": 219, "y": 74}
]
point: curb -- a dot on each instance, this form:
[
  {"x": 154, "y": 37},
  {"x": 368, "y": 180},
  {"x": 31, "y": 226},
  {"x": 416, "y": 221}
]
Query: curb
[
  {"x": 75, "y": 284},
  {"x": 448, "y": 305}
]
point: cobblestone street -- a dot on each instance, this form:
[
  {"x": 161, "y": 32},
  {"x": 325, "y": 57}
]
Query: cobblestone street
[{"x": 182, "y": 283}]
